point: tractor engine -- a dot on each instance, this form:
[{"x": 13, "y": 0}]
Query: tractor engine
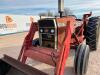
[{"x": 51, "y": 32}]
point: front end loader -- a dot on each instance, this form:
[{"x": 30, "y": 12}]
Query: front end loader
[{"x": 57, "y": 36}]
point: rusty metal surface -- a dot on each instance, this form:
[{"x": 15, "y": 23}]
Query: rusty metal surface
[
  {"x": 20, "y": 68},
  {"x": 42, "y": 54},
  {"x": 14, "y": 71}
]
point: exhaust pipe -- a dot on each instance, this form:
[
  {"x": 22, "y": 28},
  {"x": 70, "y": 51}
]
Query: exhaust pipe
[{"x": 60, "y": 7}]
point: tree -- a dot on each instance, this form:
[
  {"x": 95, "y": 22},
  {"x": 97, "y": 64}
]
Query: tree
[
  {"x": 67, "y": 12},
  {"x": 48, "y": 13},
  {"x": 42, "y": 14}
]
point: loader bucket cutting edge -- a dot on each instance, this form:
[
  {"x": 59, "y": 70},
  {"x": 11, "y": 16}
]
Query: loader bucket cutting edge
[{"x": 10, "y": 66}]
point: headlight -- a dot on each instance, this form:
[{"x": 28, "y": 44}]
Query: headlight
[
  {"x": 41, "y": 30},
  {"x": 52, "y": 30}
]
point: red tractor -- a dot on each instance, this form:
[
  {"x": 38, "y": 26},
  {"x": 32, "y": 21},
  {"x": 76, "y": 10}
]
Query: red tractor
[{"x": 57, "y": 36}]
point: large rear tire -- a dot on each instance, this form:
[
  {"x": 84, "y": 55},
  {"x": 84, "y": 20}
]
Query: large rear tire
[{"x": 92, "y": 33}]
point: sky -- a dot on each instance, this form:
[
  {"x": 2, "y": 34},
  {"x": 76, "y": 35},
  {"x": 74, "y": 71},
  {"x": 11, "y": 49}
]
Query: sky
[{"x": 34, "y": 7}]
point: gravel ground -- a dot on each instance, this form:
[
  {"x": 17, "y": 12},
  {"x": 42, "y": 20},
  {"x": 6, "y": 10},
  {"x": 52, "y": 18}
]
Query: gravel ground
[{"x": 11, "y": 45}]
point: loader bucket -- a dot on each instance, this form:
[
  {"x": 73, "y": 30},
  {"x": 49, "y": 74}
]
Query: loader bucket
[{"x": 10, "y": 66}]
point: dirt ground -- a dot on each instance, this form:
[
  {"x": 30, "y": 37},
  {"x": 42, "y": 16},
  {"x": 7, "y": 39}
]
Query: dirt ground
[{"x": 11, "y": 45}]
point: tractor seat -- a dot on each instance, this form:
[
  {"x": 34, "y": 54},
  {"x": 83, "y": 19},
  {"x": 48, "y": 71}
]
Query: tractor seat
[{"x": 45, "y": 55}]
